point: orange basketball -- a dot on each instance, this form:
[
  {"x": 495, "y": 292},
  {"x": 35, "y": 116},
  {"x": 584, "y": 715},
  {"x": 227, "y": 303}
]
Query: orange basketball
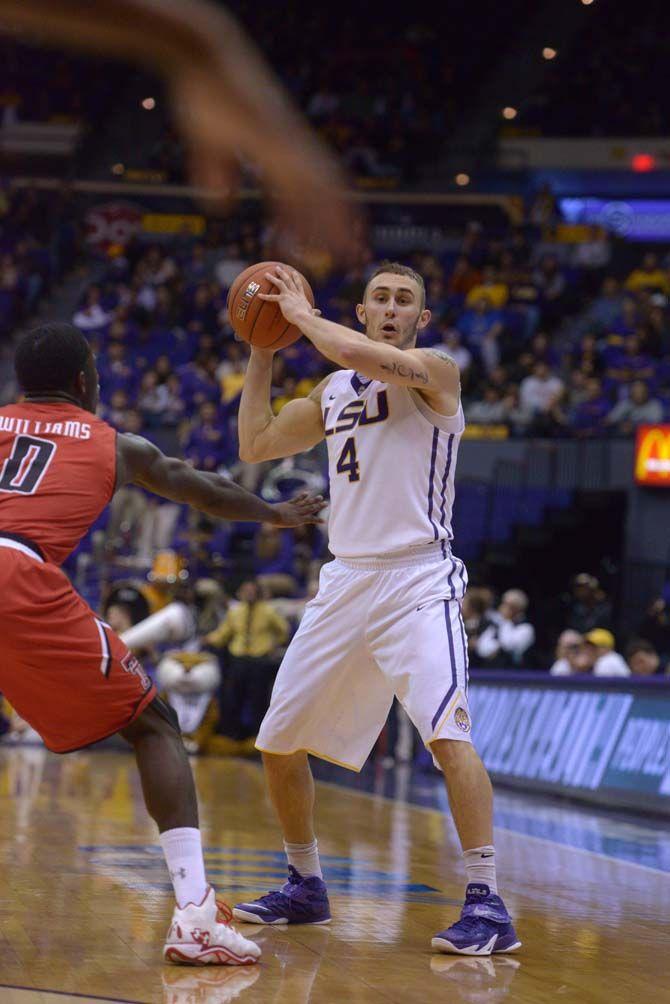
[{"x": 261, "y": 322}]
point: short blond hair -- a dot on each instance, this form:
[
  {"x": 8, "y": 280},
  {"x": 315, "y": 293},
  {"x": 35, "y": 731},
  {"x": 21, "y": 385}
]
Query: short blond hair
[{"x": 397, "y": 268}]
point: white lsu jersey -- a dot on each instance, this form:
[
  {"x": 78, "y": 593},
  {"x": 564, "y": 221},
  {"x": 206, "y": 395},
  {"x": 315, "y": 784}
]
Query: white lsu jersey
[{"x": 392, "y": 461}]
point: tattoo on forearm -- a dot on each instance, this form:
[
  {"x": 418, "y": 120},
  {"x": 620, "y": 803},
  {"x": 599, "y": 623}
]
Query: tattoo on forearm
[
  {"x": 441, "y": 354},
  {"x": 399, "y": 369}
]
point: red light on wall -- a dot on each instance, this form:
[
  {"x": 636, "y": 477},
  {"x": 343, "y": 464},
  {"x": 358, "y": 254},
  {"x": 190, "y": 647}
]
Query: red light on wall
[{"x": 642, "y": 162}]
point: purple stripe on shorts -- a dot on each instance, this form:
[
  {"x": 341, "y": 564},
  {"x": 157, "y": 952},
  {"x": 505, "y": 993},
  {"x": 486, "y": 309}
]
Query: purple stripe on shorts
[
  {"x": 447, "y": 468},
  {"x": 452, "y": 658},
  {"x": 464, "y": 643},
  {"x": 431, "y": 480}
]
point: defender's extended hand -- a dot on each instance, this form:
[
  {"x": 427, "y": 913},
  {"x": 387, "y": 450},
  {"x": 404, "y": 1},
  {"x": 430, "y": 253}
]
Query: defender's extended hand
[{"x": 304, "y": 508}]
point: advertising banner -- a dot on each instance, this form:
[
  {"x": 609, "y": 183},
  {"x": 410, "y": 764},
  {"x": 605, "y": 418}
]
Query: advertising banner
[
  {"x": 652, "y": 455},
  {"x": 606, "y": 745}
]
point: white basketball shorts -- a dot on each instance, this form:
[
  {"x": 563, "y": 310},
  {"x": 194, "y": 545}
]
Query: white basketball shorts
[{"x": 374, "y": 630}]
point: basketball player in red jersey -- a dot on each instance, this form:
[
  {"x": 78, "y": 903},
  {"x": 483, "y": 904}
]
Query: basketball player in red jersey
[{"x": 63, "y": 669}]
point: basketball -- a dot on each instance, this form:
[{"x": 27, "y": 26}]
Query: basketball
[{"x": 261, "y": 322}]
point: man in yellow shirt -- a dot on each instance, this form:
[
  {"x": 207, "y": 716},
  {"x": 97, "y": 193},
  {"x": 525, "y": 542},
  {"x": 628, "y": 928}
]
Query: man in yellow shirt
[
  {"x": 251, "y": 631},
  {"x": 491, "y": 288},
  {"x": 648, "y": 276}
]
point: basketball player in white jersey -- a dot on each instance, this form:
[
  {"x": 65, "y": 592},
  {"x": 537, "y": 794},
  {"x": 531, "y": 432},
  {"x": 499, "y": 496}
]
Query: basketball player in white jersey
[{"x": 387, "y": 618}]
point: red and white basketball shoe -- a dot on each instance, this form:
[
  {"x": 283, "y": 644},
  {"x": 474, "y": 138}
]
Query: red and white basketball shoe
[{"x": 202, "y": 935}]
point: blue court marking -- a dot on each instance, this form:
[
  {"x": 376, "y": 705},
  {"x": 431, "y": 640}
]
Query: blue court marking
[
  {"x": 141, "y": 866},
  {"x": 611, "y": 834},
  {"x": 70, "y": 993}
]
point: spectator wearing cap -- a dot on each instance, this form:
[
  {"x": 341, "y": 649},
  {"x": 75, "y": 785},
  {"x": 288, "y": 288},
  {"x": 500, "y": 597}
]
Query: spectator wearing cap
[
  {"x": 599, "y": 645},
  {"x": 569, "y": 654},
  {"x": 638, "y": 408},
  {"x": 508, "y": 636},
  {"x": 588, "y": 606},
  {"x": 643, "y": 659}
]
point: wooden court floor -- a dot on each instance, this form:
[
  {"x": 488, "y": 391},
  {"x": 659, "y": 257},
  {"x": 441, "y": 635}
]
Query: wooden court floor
[{"x": 84, "y": 902}]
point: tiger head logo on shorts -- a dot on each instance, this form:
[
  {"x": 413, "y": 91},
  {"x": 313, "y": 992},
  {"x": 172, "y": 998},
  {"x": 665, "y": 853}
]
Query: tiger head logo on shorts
[{"x": 462, "y": 719}]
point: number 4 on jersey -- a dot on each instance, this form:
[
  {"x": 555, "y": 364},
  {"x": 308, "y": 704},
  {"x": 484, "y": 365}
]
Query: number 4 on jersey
[
  {"x": 347, "y": 462},
  {"x": 27, "y": 465}
]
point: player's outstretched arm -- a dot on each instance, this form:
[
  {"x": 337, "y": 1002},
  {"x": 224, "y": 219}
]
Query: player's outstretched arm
[
  {"x": 431, "y": 372},
  {"x": 266, "y": 436},
  {"x": 141, "y": 463},
  {"x": 226, "y": 100}
]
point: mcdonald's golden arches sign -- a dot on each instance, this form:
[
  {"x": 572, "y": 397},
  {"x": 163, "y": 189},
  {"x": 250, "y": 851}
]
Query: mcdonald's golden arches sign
[{"x": 652, "y": 455}]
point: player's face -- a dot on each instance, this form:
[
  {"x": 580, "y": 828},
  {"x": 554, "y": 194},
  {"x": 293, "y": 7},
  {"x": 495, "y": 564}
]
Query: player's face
[{"x": 393, "y": 310}]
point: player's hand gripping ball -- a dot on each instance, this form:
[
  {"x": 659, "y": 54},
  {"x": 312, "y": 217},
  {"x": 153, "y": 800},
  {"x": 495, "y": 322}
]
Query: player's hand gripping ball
[{"x": 261, "y": 322}]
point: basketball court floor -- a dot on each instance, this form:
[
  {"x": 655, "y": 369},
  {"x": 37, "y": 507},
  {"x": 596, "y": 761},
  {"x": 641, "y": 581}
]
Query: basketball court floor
[{"x": 84, "y": 901}]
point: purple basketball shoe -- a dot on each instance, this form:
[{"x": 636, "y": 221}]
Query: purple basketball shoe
[
  {"x": 300, "y": 901},
  {"x": 485, "y": 927}
]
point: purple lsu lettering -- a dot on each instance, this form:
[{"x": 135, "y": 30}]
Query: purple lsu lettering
[{"x": 355, "y": 413}]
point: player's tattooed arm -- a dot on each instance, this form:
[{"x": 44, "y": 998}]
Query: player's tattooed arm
[
  {"x": 396, "y": 369},
  {"x": 428, "y": 370}
]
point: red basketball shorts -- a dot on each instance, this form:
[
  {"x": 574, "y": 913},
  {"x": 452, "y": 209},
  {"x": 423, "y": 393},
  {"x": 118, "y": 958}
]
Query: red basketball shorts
[{"x": 62, "y": 668}]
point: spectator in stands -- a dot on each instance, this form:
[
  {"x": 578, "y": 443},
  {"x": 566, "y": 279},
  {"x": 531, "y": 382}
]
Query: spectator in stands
[
  {"x": 649, "y": 275},
  {"x": 569, "y": 654},
  {"x": 588, "y": 418},
  {"x": 481, "y": 326},
  {"x": 550, "y": 280},
  {"x": 643, "y": 659},
  {"x": 636, "y": 409},
  {"x": 655, "y": 625},
  {"x": 594, "y": 253},
  {"x": 587, "y": 605},
  {"x": 275, "y": 561},
  {"x": 489, "y": 409},
  {"x": 517, "y": 416},
  {"x": 539, "y": 391},
  {"x": 508, "y": 637},
  {"x": 252, "y": 631},
  {"x": 116, "y": 371},
  {"x": 152, "y": 399},
  {"x": 91, "y": 316},
  {"x": 599, "y": 646},
  {"x": 542, "y": 210},
  {"x": 587, "y": 355},
  {"x": 208, "y": 445},
  {"x": 174, "y": 408},
  {"x": 630, "y": 362},
  {"x": 492, "y": 289},
  {"x": 230, "y": 265},
  {"x": 477, "y": 603},
  {"x": 463, "y": 278},
  {"x": 606, "y": 309}
]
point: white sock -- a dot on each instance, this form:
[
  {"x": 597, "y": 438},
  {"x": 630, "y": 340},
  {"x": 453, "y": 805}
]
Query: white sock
[
  {"x": 304, "y": 858},
  {"x": 480, "y": 866},
  {"x": 182, "y": 848}
]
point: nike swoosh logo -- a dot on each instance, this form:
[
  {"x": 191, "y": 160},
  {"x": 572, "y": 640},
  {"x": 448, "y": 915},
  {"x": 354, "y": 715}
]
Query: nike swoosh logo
[{"x": 331, "y": 397}]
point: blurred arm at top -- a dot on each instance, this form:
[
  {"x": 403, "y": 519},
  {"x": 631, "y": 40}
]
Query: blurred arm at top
[{"x": 227, "y": 103}]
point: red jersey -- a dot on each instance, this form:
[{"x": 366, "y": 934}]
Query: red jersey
[{"x": 57, "y": 473}]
